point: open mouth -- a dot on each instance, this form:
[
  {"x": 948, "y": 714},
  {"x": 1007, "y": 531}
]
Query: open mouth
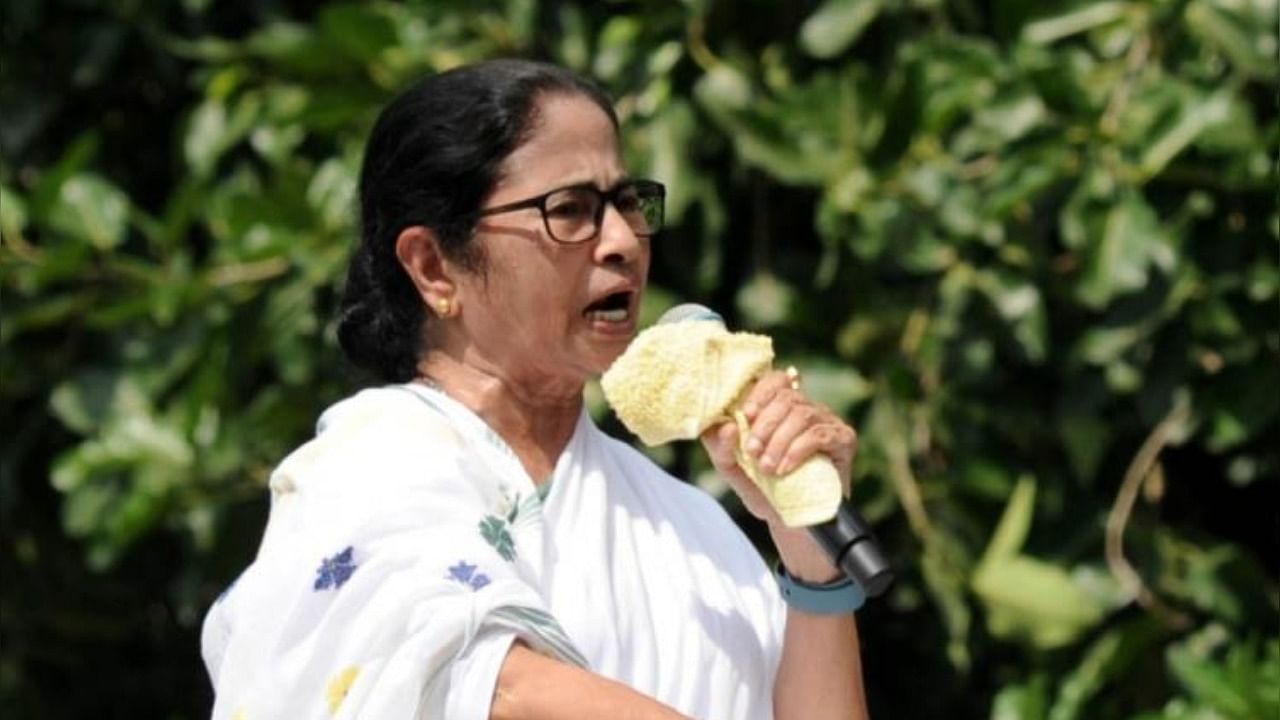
[{"x": 612, "y": 308}]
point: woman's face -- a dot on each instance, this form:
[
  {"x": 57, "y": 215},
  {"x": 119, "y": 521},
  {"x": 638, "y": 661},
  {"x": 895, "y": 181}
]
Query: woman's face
[{"x": 546, "y": 312}]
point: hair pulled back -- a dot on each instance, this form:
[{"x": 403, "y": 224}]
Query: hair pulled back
[{"x": 433, "y": 156}]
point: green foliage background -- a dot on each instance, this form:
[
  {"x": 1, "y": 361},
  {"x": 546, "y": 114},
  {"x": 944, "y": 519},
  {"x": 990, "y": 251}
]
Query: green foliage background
[{"x": 1031, "y": 249}]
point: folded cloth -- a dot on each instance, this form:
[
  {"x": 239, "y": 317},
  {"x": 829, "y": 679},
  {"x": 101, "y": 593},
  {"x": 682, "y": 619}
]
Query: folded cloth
[{"x": 676, "y": 380}]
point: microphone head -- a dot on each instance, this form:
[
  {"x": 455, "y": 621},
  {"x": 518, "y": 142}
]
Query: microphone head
[{"x": 686, "y": 312}]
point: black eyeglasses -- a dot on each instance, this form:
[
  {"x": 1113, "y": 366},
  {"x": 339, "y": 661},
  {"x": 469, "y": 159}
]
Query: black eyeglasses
[{"x": 573, "y": 214}]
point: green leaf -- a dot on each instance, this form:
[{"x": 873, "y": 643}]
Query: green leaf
[
  {"x": 206, "y": 137},
  {"x": 1242, "y": 31},
  {"x": 1034, "y": 599},
  {"x": 617, "y": 46},
  {"x": 944, "y": 566},
  {"x": 1239, "y": 686},
  {"x": 575, "y": 41},
  {"x": 1233, "y": 133},
  {"x": 924, "y": 252},
  {"x": 298, "y": 48},
  {"x": 362, "y": 32},
  {"x": 91, "y": 209},
  {"x": 1020, "y": 304},
  {"x": 984, "y": 477},
  {"x": 117, "y": 482},
  {"x": 85, "y": 507},
  {"x": 213, "y": 130},
  {"x": 836, "y": 25},
  {"x": 339, "y": 108},
  {"x": 1105, "y": 344},
  {"x": 1118, "y": 262},
  {"x": 1018, "y": 184},
  {"x": 1015, "y": 523},
  {"x": 206, "y": 49},
  {"x": 765, "y": 301},
  {"x": 959, "y": 76},
  {"x": 1196, "y": 115},
  {"x": 724, "y": 88},
  {"x": 85, "y": 403},
  {"x": 801, "y": 137},
  {"x": 1021, "y": 702},
  {"x": 1216, "y": 578},
  {"x": 13, "y": 213},
  {"x": 277, "y": 144},
  {"x": 73, "y": 161},
  {"x": 1088, "y": 17},
  {"x": 1107, "y": 659},
  {"x": 332, "y": 194},
  {"x": 1237, "y": 410},
  {"x": 45, "y": 312},
  {"x": 1085, "y": 438},
  {"x": 1026, "y": 597},
  {"x": 1001, "y": 122}
]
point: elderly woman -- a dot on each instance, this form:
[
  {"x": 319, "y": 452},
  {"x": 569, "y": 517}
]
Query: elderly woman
[{"x": 463, "y": 542}]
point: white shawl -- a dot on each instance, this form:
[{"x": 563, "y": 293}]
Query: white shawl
[{"x": 407, "y": 549}]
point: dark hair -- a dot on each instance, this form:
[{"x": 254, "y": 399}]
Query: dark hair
[{"x": 433, "y": 157}]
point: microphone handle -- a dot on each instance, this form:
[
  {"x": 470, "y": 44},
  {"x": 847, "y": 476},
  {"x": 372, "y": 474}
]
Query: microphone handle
[{"x": 853, "y": 548}]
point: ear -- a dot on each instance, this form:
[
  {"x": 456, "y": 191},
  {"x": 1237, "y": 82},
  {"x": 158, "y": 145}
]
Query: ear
[{"x": 418, "y": 250}]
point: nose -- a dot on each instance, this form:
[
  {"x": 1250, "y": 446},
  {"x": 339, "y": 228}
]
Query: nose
[{"x": 618, "y": 243}]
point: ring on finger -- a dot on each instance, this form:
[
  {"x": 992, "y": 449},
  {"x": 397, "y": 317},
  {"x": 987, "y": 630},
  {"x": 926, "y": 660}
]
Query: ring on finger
[{"x": 793, "y": 377}]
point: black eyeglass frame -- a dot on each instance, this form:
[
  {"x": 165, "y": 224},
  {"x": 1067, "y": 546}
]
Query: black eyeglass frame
[{"x": 606, "y": 197}]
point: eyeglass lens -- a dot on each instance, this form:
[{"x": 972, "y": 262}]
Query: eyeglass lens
[{"x": 572, "y": 213}]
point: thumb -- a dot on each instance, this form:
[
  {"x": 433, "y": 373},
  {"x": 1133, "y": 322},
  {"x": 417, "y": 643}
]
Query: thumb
[{"x": 721, "y": 442}]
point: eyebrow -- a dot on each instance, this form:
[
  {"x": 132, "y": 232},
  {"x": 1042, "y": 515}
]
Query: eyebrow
[
  {"x": 583, "y": 185},
  {"x": 534, "y": 200}
]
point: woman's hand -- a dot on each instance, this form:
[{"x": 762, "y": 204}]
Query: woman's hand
[{"x": 787, "y": 428}]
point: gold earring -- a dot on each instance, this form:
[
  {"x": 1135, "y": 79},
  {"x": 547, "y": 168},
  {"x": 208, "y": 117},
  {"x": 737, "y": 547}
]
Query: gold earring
[{"x": 444, "y": 307}]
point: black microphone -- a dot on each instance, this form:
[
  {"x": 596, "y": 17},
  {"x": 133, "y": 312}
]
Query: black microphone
[{"x": 846, "y": 538}]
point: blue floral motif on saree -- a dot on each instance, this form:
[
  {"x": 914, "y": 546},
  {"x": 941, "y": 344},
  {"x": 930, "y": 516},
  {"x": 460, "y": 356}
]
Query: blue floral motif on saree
[{"x": 336, "y": 570}]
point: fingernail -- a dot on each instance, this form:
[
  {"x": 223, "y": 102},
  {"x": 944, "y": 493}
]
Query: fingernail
[
  {"x": 766, "y": 463},
  {"x": 749, "y": 409},
  {"x": 754, "y": 446}
]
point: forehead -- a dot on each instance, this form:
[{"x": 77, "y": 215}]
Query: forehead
[{"x": 571, "y": 141}]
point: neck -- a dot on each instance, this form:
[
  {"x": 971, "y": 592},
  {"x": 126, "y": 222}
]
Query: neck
[{"x": 536, "y": 418}]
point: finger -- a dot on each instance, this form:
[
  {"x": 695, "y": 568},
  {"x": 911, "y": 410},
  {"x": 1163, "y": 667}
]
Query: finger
[
  {"x": 835, "y": 439},
  {"x": 720, "y": 442},
  {"x": 813, "y": 440},
  {"x": 770, "y": 417},
  {"x": 844, "y": 450},
  {"x": 799, "y": 418},
  {"x": 763, "y": 392}
]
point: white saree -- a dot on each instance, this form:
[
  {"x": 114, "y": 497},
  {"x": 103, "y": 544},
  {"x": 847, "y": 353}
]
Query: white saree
[{"x": 407, "y": 549}]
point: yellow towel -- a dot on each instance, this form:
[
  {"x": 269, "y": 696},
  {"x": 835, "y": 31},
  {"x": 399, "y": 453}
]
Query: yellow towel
[{"x": 677, "y": 380}]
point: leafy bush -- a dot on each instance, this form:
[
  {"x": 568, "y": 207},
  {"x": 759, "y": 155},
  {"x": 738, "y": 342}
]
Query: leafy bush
[{"x": 1029, "y": 249}]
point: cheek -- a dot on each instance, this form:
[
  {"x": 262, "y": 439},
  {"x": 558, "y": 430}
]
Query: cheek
[{"x": 539, "y": 292}]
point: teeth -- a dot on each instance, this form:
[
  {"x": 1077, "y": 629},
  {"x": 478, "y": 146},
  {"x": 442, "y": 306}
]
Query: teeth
[{"x": 619, "y": 315}]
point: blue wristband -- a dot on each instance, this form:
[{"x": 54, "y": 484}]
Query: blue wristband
[{"x": 840, "y": 597}]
